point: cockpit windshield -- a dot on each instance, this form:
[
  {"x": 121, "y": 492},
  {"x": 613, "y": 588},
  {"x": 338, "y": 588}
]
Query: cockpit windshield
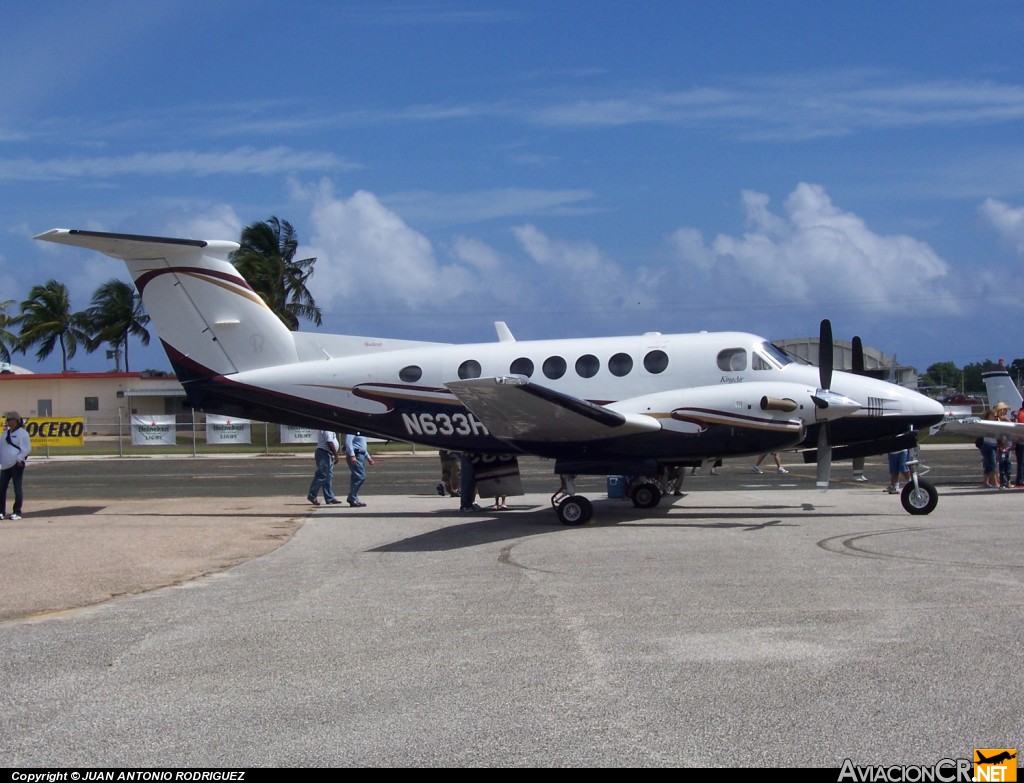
[{"x": 769, "y": 356}]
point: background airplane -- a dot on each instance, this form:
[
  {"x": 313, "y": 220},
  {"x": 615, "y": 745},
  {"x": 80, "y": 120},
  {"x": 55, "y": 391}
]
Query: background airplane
[
  {"x": 633, "y": 405},
  {"x": 1000, "y": 388}
]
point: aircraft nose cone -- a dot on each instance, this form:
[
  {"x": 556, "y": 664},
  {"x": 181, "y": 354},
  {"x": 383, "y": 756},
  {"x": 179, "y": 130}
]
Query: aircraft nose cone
[{"x": 927, "y": 408}]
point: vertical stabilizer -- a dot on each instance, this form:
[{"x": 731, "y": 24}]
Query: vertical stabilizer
[
  {"x": 209, "y": 319},
  {"x": 1000, "y": 388}
]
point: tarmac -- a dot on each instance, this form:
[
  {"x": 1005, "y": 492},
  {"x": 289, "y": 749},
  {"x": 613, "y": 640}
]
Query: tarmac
[{"x": 769, "y": 625}]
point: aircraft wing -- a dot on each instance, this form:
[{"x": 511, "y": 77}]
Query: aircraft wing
[
  {"x": 974, "y": 427},
  {"x": 514, "y": 408}
]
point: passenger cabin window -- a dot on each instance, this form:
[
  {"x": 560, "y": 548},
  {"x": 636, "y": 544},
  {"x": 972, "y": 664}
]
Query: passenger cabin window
[
  {"x": 410, "y": 374},
  {"x": 522, "y": 366},
  {"x": 554, "y": 367},
  {"x": 656, "y": 362},
  {"x": 587, "y": 366},
  {"x": 469, "y": 369},
  {"x": 620, "y": 364},
  {"x": 732, "y": 360}
]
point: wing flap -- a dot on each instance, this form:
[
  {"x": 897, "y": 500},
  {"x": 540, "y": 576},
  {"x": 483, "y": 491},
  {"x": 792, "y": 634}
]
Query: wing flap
[{"x": 514, "y": 408}]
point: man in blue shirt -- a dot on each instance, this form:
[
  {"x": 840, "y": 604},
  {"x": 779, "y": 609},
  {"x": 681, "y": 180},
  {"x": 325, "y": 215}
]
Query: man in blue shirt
[{"x": 357, "y": 456}]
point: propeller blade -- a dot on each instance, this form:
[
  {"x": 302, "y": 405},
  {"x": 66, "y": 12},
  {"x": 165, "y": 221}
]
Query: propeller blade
[
  {"x": 824, "y": 457},
  {"x": 858, "y": 356},
  {"x": 825, "y": 357}
]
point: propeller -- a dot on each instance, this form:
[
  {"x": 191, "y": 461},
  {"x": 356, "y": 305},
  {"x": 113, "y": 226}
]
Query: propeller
[
  {"x": 828, "y": 404},
  {"x": 825, "y": 363},
  {"x": 858, "y": 369},
  {"x": 858, "y": 356}
]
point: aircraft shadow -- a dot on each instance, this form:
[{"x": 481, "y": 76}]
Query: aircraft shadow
[{"x": 488, "y": 527}]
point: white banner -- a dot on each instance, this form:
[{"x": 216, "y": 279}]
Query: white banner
[
  {"x": 297, "y": 434},
  {"x": 223, "y": 429},
  {"x": 153, "y": 430}
]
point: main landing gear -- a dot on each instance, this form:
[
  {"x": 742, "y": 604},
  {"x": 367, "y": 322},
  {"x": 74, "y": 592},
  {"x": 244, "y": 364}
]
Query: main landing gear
[{"x": 573, "y": 509}]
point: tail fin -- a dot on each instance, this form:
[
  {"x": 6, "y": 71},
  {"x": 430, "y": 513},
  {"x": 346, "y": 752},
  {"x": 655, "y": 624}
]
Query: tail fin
[
  {"x": 1000, "y": 388},
  {"x": 209, "y": 319}
]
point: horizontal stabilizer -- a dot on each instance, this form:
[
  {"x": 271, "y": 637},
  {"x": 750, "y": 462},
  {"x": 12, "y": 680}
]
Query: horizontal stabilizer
[
  {"x": 210, "y": 320},
  {"x": 513, "y": 408}
]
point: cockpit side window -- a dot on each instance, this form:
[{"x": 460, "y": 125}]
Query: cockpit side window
[
  {"x": 758, "y": 362},
  {"x": 732, "y": 360}
]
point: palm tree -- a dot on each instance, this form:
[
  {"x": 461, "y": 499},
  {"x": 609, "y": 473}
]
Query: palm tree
[
  {"x": 266, "y": 260},
  {"x": 46, "y": 319},
  {"x": 8, "y": 339},
  {"x": 116, "y": 314}
]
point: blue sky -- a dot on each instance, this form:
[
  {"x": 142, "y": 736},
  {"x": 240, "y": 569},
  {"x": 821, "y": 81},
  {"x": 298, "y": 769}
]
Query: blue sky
[{"x": 572, "y": 168}]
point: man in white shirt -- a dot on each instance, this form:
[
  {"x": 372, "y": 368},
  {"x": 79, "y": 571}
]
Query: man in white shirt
[
  {"x": 15, "y": 446},
  {"x": 326, "y": 457}
]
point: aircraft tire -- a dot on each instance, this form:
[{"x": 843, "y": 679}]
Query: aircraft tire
[
  {"x": 646, "y": 495},
  {"x": 921, "y": 499},
  {"x": 575, "y": 510}
]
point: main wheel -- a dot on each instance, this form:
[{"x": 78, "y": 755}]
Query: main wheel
[
  {"x": 921, "y": 499},
  {"x": 646, "y": 495},
  {"x": 575, "y": 510}
]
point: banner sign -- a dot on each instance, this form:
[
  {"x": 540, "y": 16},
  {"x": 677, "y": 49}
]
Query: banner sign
[
  {"x": 297, "y": 435},
  {"x": 48, "y": 431},
  {"x": 153, "y": 430},
  {"x": 223, "y": 429}
]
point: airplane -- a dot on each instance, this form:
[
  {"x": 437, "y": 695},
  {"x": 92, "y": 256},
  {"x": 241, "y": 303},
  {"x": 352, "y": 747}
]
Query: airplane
[
  {"x": 996, "y": 759},
  {"x": 630, "y": 405},
  {"x": 1001, "y": 389}
]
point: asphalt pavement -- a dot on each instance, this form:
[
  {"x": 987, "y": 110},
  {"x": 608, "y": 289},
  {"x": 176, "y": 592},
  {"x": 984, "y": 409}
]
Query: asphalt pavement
[{"x": 753, "y": 622}]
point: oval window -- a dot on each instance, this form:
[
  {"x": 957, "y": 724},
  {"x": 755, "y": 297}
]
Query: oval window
[
  {"x": 522, "y": 366},
  {"x": 554, "y": 367},
  {"x": 620, "y": 364},
  {"x": 469, "y": 369},
  {"x": 410, "y": 374},
  {"x": 587, "y": 366},
  {"x": 656, "y": 362},
  {"x": 732, "y": 360}
]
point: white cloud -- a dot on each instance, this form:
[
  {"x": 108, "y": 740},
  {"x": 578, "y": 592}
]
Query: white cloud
[
  {"x": 367, "y": 254},
  {"x": 242, "y": 160},
  {"x": 813, "y": 252},
  {"x": 1007, "y": 221}
]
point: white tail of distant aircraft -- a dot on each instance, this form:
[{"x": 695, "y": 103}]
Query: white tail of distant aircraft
[{"x": 634, "y": 405}]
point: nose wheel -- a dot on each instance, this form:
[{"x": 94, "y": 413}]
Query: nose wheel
[{"x": 919, "y": 497}]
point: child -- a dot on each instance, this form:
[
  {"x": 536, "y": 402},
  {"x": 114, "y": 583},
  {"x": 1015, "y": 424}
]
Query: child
[{"x": 1005, "y": 450}]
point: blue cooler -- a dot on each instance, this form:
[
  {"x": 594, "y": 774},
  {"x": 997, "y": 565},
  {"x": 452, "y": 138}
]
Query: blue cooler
[{"x": 616, "y": 486}]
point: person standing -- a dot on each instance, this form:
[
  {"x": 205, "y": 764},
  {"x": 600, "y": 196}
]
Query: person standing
[
  {"x": 467, "y": 485},
  {"x": 15, "y": 446},
  {"x": 898, "y": 468},
  {"x": 357, "y": 456},
  {"x": 1018, "y": 451},
  {"x": 449, "y": 473},
  {"x": 326, "y": 457},
  {"x": 778, "y": 463}
]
